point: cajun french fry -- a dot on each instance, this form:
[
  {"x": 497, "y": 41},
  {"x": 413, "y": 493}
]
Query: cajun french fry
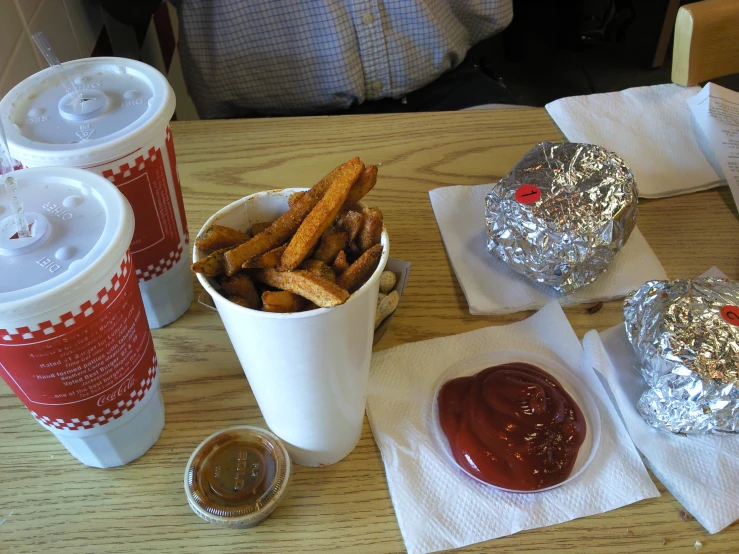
[
  {"x": 357, "y": 273},
  {"x": 240, "y": 301},
  {"x": 268, "y": 259},
  {"x": 371, "y": 231},
  {"x": 331, "y": 245},
  {"x": 364, "y": 184},
  {"x": 319, "y": 268},
  {"x": 386, "y": 307},
  {"x": 306, "y": 252},
  {"x": 212, "y": 265},
  {"x": 294, "y": 197},
  {"x": 217, "y": 236},
  {"x": 372, "y": 211},
  {"x": 283, "y": 227},
  {"x": 304, "y": 283},
  {"x": 240, "y": 285},
  {"x": 340, "y": 263},
  {"x": 259, "y": 227},
  {"x": 319, "y": 219},
  {"x": 282, "y": 302},
  {"x": 351, "y": 222}
]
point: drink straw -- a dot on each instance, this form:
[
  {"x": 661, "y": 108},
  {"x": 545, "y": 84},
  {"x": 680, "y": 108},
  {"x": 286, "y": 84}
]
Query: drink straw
[
  {"x": 11, "y": 187},
  {"x": 63, "y": 74}
]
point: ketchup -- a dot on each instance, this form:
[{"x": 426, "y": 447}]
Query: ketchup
[{"x": 513, "y": 426}]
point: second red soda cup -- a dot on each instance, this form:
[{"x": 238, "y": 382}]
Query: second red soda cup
[{"x": 120, "y": 130}]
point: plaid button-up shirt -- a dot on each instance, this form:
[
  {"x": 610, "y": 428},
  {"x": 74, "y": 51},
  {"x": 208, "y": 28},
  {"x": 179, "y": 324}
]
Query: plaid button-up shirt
[{"x": 283, "y": 56}]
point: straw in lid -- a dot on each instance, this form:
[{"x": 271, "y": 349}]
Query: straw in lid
[{"x": 237, "y": 476}]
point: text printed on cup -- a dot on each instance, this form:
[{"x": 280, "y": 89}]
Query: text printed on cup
[
  {"x": 57, "y": 210},
  {"x": 240, "y": 470},
  {"x": 118, "y": 393},
  {"x": 49, "y": 264},
  {"x": 34, "y": 120},
  {"x": 132, "y": 103}
]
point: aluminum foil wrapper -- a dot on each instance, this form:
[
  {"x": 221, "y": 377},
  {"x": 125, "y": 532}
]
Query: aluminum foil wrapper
[
  {"x": 566, "y": 229},
  {"x": 686, "y": 334}
]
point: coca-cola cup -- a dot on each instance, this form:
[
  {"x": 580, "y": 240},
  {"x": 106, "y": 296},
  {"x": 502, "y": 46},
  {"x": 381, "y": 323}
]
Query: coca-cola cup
[
  {"x": 75, "y": 346},
  {"x": 119, "y": 129}
]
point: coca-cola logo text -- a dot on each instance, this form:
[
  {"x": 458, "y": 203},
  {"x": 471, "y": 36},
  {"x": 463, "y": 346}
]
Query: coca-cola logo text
[{"x": 124, "y": 387}]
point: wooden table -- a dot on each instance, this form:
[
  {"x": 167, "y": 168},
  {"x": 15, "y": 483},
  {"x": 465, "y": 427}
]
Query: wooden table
[{"x": 57, "y": 503}]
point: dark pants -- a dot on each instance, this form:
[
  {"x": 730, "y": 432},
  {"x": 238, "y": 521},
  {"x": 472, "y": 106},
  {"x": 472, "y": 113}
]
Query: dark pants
[{"x": 469, "y": 84}]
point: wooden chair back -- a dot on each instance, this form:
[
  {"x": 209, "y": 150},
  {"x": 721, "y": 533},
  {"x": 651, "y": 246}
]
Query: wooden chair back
[{"x": 706, "y": 42}]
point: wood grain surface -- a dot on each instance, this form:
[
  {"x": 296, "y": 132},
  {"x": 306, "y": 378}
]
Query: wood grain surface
[
  {"x": 58, "y": 504},
  {"x": 705, "y": 44}
]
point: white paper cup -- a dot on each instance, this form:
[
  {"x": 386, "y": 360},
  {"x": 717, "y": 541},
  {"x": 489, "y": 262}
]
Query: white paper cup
[{"x": 308, "y": 370}]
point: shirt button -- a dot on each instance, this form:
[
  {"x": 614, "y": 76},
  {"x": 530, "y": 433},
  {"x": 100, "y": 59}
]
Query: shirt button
[
  {"x": 368, "y": 18},
  {"x": 377, "y": 86}
]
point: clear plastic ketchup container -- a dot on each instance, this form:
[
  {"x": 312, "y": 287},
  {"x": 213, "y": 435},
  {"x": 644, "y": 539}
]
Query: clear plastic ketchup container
[
  {"x": 569, "y": 382},
  {"x": 238, "y": 476}
]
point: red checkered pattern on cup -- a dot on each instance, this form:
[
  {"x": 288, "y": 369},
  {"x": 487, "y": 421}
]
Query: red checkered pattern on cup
[
  {"x": 164, "y": 265},
  {"x": 152, "y": 260},
  {"x": 125, "y": 171},
  {"x": 169, "y": 145},
  {"x": 47, "y": 329},
  {"x": 107, "y": 415}
]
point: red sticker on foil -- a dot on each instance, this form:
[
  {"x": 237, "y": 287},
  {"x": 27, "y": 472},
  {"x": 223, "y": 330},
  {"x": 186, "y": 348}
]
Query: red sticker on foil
[
  {"x": 89, "y": 366},
  {"x": 528, "y": 194},
  {"x": 730, "y": 314}
]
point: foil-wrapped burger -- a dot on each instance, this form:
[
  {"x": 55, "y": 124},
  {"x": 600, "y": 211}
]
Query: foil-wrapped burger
[
  {"x": 686, "y": 334},
  {"x": 562, "y": 214}
]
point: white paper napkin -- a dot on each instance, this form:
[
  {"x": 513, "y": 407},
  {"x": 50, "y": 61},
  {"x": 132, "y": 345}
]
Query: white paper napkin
[
  {"x": 439, "y": 507},
  {"x": 651, "y": 129},
  {"x": 702, "y": 472},
  {"x": 491, "y": 287}
]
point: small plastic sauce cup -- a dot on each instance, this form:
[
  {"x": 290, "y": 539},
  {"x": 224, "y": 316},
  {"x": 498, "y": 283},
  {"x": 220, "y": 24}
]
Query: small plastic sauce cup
[{"x": 238, "y": 476}]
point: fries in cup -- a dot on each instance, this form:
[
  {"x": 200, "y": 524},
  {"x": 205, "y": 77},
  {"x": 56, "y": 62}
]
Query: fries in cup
[{"x": 315, "y": 255}]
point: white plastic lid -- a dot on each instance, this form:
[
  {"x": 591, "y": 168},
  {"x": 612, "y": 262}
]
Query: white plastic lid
[
  {"x": 122, "y": 98},
  {"x": 81, "y": 226}
]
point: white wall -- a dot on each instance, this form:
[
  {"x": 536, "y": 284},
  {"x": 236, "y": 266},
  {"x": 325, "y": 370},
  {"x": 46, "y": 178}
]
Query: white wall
[{"x": 71, "y": 27}]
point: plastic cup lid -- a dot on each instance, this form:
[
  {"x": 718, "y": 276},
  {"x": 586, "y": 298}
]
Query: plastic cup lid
[
  {"x": 237, "y": 476},
  {"x": 120, "y": 97},
  {"x": 80, "y": 226}
]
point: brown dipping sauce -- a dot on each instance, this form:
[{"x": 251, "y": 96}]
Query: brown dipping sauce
[
  {"x": 236, "y": 474},
  {"x": 513, "y": 426}
]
